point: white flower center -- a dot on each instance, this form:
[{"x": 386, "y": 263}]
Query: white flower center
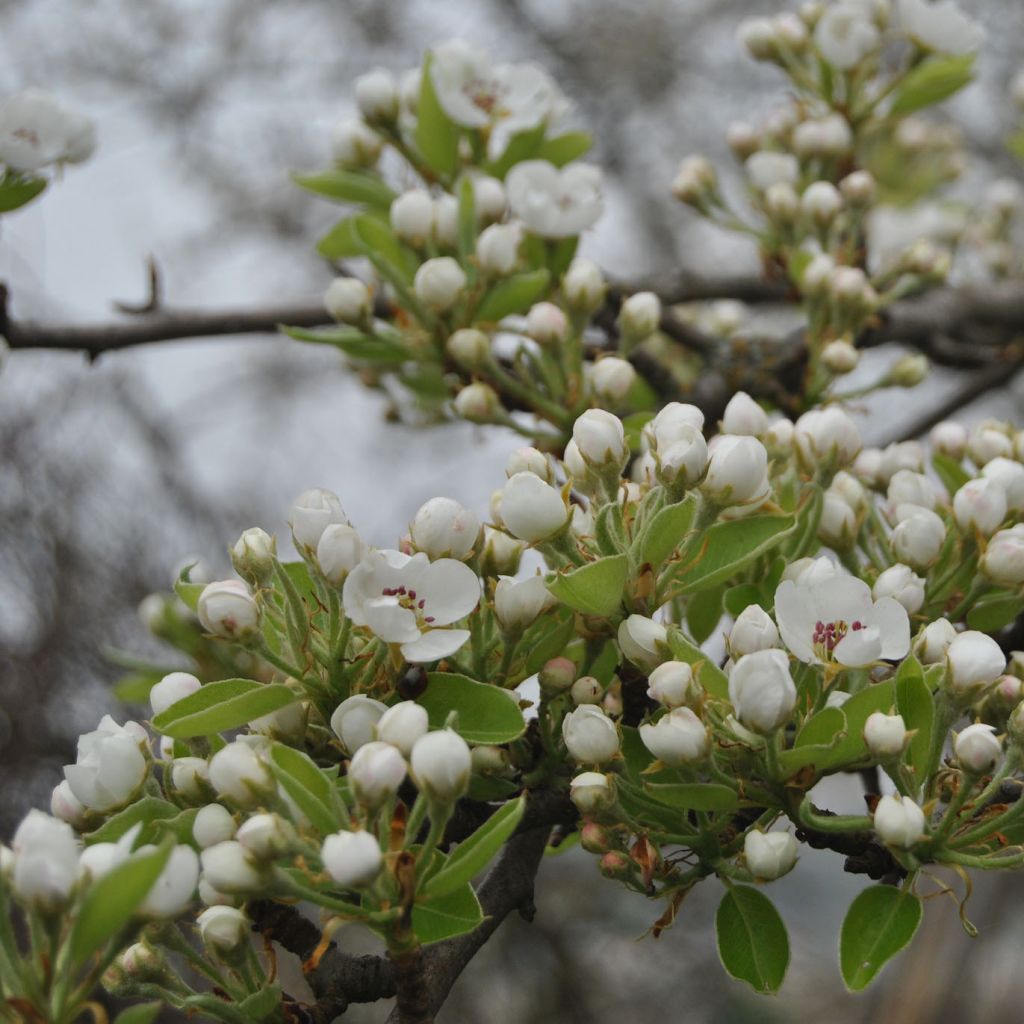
[
  {"x": 828, "y": 634},
  {"x": 405, "y": 598}
]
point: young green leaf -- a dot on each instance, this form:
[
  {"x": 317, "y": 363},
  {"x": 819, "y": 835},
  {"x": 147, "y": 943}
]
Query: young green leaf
[
  {"x": 695, "y": 796},
  {"x": 487, "y": 714},
  {"x": 709, "y": 675},
  {"x": 514, "y": 294},
  {"x": 348, "y": 186},
  {"x": 15, "y": 193},
  {"x": 880, "y": 922},
  {"x": 949, "y": 471},
  {"x": 915, "y": 703},
  {"x": 595, "y": 588},
  {"x": 437, "y": 138},
  {"x": 728, "y": 547},
  {"x": 306, "y": 784},
  {"x": 703, "y": 613},
  {"x": 143, "y": 1013},
  {"x": 444, "y": 917},
  {"x": 666, "y": 531},
  {"x": 932, "y": 81},
  {"x": 752, "y": 940},
  {"x": 563, "y": 149},
  {"x": 473, "y": 854},
  {"x": 223, "y": 705}
]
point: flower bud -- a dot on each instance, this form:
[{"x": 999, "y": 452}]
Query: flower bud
[
  {"x": 601, "y": 440},
  {"x": 1009, "y": 474},
  {"x": 591, "y": 792},
  {"x": 827, "y": 137},
  {"x": 490, "y": 199},
  {"x": 840, "y": 357},
  {"x": 695, "y": 181},
  {"x": 266, "y": 836},
  {"x": 737, "y": 471},
  {"x": 501, "y": 555},
  {"x": 347, "y": 299},
  {"x": 1003, "y": 561},
  {"x": 907, "y": 372},
  {"x": 412, "y": 216},
  {"x": 110, "y": 767},
  {"x": 377, "y": 95},
  {"x": 858, "y": 188},
  {"x": 402, "y": 725},
  {"x": 190, "y": 777},
  {"x": 743, "y": 139},
  {"x": 213, "y": 824},
  {"x": 238, "y": 773},
  {"x": 478, "y": 403},
  {"x": 469, "y": 347},
  {"x": 672, "y": 684},
  {"x": 444, "y": 529},
  {"x": 918, "y": 539},
  {"x": 311, "y": 514},
  {"x": 441, "y": 765},
  {"x": 355, "y": 719},
  {"x": 781, "y": 203},
  {"x": 230, "y": 868},
  {"x": 339, "y": 550},
  {"x": 583, "y": 286},
  {"x": 821, "y": 202},
  {"x": 355, "y": 145},
  {"x": 677, "y": 738},
  {"x": 987, "y": 442},
  {"x": 175, "y": 886},
  {"x": 446, "y": 221},
  {"x": 439, "y": 283},
  {"x": 643, "y": 641},
  {"x": 611, "y": 378},
  {"x": 640, "y": 316},
  {"x": 752, "y": 631},
  {"x": 556, "y": 676},
  {"x": 977, "y": 748},
  {"x": 497, "y": 249},
  {"x": 375, "y": 772},
  {"x": 758, "y": 37},
  {"x": 547, "y": 324},
  {"x": 227, "y": 609},
  {"x": 66, "y": 806},
  {"x": 173, "y": 687},
  {"x": 885, "y": 735},
  {"x": 973, "y": 660},
  {"x": 949, "y": 438},
  {"x": 45, "y": 862},
  {"x": 980, "y": 505},
  {"x": 531, "y": 509},
  {"x": 762, "y": 691},
  {"x": 352, "y": 859},
  {"x": 817, "y": 276},
  {"x": 743, "y": 416},
  {"x": 769, "y": 855},
  {"x": 518, "y": 603},
  {"x": 827, "y": 435},
  {"x": 779, "y": 438},
  {"x": 224, "y": 930},
  {"x": 900, "y": 582},
  {"x": 586, "y": 690},
  {"x": 589, "y": 735},
  {"x": 838, "y": 524},
  {"x": 683, "y": 460},
  {"x": 764, "y": 169},
  {"x": 899, "y": 821},
  {"x": 933, "y": 641},
  {"x": 142, "y": 963}
]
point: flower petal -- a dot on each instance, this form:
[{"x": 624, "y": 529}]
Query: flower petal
[
  {"x": 796, "y": 616},
  {"x": 390, "y": 621},
  {"x": 893, "y": 626},
  {"x": 449, "y": 589},
  {"x": 841, "y": 599},
  {"x": 434, "y": 644},
  {"x": 859, "y": 647}
]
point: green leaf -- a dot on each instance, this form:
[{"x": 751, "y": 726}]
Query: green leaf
[
  {"x": 1015, "y": 144},
  {"x": 563, "y": 149},
  {"x": 143, "y": 1013},
  {"x": 134, "y": 687},
  {"x": 915, "y": 703},
  {"x": 515, "y": 294},
  {"x": 666, "y": 531},
  {"x": 695, "y": 796},
  {"x": 223, "y": 705},
  {"x": 595, "y": 588},
  {"x": 741, "y": 597},
  {"x": 467, "y": 226},
  {"x": 995, "y": 610},
  {"x": 444, "y": 917},
  {"x": 487, "y": 714},
  {"x": 709, "y": 675},
  {"x": 307, "y": 785},
  {"x": 146, "y": 810},
  {"x": 729, "y": 547},
  {"x": 546, "y": 641},
  {"x": 950, "y": 472},
  {"x": 437, "y": 138},
  {"x": 348, "y": 186},
  {"x": 262, "y": 1005},
  {"x": 880, "y": 922},
  {"x": 473, "y": 854},
  {"x": 522, "y": 146},
  {"x": 385, "y": 251},
  {"x": 110, "y": 903},
  {"x": 16, "y": 192},
  {"x": 560, "y": 254},
  {"x": 353, "y": 343},
  {"x": 804, "y": 537},
  {"x": 822, "y": 729},
  {"x": 752, "y": 940},
  {"x": 342, "y": 242},
  {"x": 703, "y": 613},
  {"x": 189, "y": 592},
  {"x": 932, "y": 81}
]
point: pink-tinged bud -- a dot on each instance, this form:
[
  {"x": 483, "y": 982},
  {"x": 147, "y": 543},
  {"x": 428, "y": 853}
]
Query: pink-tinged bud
[
  {"x": 227, "y": 609},
  {"x": 977, "y": 748},
  {"x": 557, "y": 676}
]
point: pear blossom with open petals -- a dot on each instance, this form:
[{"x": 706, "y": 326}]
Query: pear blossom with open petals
[
  {"x": 553, "y": 202},
  {"x": 405, "y": 599},
  {"x": 837, "y": 620},
  {"x": 506, "y": 98},
  {"x": 940, "y": 27}
]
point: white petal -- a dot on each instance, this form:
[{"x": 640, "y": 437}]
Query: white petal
[
  {"x": 435, "y": 644},
  {"x": 859, "y": 647},
  {"x": 796, "y": 616},
  {"x": 449, "y": 589},
  {"x": 842, "y": 599},
  {"x": 893, "y": 626},
  {"x": 390, "y": 621}
]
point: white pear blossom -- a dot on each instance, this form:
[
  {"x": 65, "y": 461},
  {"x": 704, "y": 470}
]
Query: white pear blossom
[
  {"x": 408, "y": 599},
  {"x": 175, "y": 886},
  {"x": 312, "y": 512},
  {"x": 643, "y": 641},
  {"x": 230, "y": 868},
  {"x": 110, "y": 767},
  {"x": 845, "y": 34},
  {"x": 934, "y": 640},
  {"x": 503, "y": 98},
  {"x": 443, "y": 528},
  {"x": 752, "y": 631},
  {"x": 672, "y": 684},
  {"x": 402, "y": 725},
  {"x": 762, "y": 690},
  {"x": 590, "y": 791},
  {"x": 45, "y": 861},
  {"x": 518, "y": 603},
  {"x": 980, "y": 505},
  {"x": 441, "y": 764},
  {"x": 173, "y": 687},
  {"x": 35, "y": 130},
  {"x": 678, "y": 737},
  {"x": 885, "y": 735},
  {"x": 1009, "y": 474},
  {"x": 918, "y": 539},
  {"x": 227, "y": 609},
  {"x": 899, "y": 821},
  {"x": 584, "y": 285},
  {"x": 949, "y": 438},
  {"x": 973, "y": 660},
  {"x": 1003, "y": 561},
  {"x": 223, "y": 929},
  {"x": 590, "y": 735},
  {"x": 553, "y": 202},
  {"x": 239, "y": 773},
  {"x": 347, "y": 299},
  {"x": 355, "y": 720},
  {"x": 497, "y": 248},
  {"x": 737, "y": 470},
  {"x": 941, "y": 27},
  {"x": 375, "y": 772},
  {"x": 901, "y": 583},
  {"x": 827, "y": 434},
  {"x": 213, "y": 824},
  {"x": 352, "y": 859},
  {"x": 744, "y": 416},
  {"x": 769, "y": 855},
  {"x": 66, "y": 806},
  {"x": 765, "y": 168},
  {"x": 837, "y": 620},
  {"x": 977, "y": 747},
  {"x": 611, "y": 378},
  {"x": 531, "y": 509}
]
